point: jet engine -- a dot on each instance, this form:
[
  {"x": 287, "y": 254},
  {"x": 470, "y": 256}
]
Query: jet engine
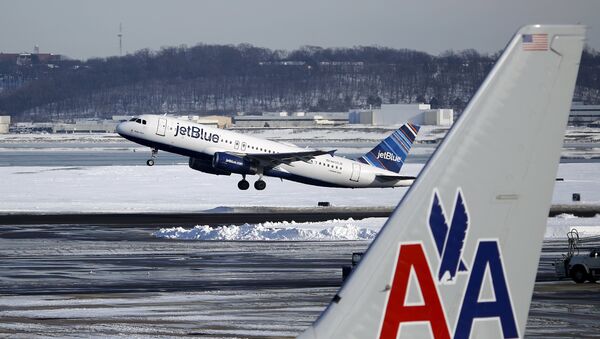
[
  {"x": 230, "y": 163},
  {"x": 205, "y": 165}
]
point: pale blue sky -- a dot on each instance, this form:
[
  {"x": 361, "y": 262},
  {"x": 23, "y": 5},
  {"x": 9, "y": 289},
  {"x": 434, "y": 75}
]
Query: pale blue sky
[{"x": 84, "y": 29}]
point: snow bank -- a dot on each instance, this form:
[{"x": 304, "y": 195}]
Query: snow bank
[
  {"x": 559, "y": 226},
  {"x": 337, "y": 230},
  {"x": 281, "y": 231}
]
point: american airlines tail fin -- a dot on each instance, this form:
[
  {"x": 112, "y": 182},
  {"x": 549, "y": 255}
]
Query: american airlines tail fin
[
  {"x": 392, "y": 151},
  {"x": 459, "y": 255}
]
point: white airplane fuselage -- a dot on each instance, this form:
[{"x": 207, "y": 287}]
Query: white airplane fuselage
[{"x": 201, "y": 142}]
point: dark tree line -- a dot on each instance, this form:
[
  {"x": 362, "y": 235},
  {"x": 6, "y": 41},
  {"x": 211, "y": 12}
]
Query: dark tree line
[{"x": 207, "y": 79}]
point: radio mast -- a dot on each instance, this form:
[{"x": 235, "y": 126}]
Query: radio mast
[{"x": 120, "y": 35}]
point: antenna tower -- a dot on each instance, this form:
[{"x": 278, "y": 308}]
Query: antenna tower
[{"x": 120, "y": 35}]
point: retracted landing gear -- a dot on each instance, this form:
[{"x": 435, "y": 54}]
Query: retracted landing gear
[
  {"x": 243, "y": 184},
  {"x": 150, "y": 162},
  {"x": 260, "y": 185}
]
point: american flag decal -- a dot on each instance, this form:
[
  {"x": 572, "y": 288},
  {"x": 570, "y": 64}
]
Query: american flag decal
[{"x": 535, "y": 42}]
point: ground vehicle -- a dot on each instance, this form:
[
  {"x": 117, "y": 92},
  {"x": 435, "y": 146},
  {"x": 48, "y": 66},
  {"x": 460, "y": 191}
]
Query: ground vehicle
[
  {"x": 578, "y": 264},
  {"x": 347, "y": 269}
]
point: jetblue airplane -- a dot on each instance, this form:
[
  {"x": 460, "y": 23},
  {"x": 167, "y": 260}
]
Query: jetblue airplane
[
  {"x": 222, "y": 152},
  {"x": 459, "y": 255}
]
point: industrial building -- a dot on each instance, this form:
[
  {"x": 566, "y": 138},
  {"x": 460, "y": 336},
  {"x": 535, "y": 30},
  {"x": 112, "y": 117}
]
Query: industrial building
[
  {"x": 219, "y": 121},
  {"x": 397, "y": 114},
  {"x": 387, "y": 115},
  {"x": 98, "y": 125},
  {"x": 298, "y": 119}
]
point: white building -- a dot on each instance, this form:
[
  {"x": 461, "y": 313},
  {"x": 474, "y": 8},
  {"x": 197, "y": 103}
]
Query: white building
[
  {"x": 298, "y": 119},
  {"x": 439, "y": 117},
  {"x": 398, "y": 114},
  {"x": 4, "y": 124}
]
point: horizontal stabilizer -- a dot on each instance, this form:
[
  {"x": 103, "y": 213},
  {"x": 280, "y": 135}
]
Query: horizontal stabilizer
[{"x": 384, "y": 177}]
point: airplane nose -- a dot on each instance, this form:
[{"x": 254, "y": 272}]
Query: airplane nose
[{"x": 120, "y": 128}]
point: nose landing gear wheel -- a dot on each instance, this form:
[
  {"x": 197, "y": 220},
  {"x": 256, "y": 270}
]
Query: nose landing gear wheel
[
  {"x": 260, "y": 185},
  {"x": 150, "y": 162},
  {"x": 243, "y": 184}
]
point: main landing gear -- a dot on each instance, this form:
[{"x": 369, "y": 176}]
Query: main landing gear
[
  {"x": 243, "y": 184},
  {"x": 259, "y": 185},
  {"x": 150, "y": 162}
]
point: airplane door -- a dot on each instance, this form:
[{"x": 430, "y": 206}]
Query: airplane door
[
  {"x": 162, "y": 126},
  {"x": 243, "y": 146},
  {"x": 355, "y": 172},
  {"x": 236, "y": 145}
]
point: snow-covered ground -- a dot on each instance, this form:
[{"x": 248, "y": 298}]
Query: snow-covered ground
[
  {"x": 53, "y": 138},
  {"x": 178, "y": 188},
  {"x": 162, "y": 189}
]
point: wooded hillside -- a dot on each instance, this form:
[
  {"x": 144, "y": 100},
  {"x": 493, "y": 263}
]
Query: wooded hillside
[{"x": 208, "y": 79}]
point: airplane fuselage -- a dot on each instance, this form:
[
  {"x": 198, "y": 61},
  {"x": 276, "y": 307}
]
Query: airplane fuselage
[{"x": 201, "y": 142}]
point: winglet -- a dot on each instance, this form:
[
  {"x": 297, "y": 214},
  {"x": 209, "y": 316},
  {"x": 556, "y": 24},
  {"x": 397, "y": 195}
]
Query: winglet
[{"x": 506, "y": 143}]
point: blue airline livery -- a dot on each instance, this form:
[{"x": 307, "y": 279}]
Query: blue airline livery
[{"x": 223, "y": 152}]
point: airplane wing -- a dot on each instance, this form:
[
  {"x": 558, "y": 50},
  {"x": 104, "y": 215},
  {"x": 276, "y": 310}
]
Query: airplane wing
[{"x": 274, "y": 159}]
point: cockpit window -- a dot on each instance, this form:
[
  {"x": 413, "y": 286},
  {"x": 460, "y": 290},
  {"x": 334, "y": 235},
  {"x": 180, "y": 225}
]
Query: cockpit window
[
  {"x": 132, "y": 119},
  {"x": 139, "y": 121},
  {"x": 143, "y": 122}
]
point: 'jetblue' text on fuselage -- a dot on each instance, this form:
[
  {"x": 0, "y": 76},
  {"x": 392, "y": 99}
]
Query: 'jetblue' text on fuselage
[{"x": 196, "y": 133}]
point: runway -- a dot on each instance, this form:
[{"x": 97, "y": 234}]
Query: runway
[
  {"x": 237, "y": 215},
  {"x": 221, "y": 215},
  {"x": 82, "y": 280}
]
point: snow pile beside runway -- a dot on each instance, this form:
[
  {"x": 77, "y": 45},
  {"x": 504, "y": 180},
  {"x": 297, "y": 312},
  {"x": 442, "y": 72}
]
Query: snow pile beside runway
[
  {"x": 338, "y": 230},
  {"x": 281, "y": 231},
  {"x": 559, "y": 226}
]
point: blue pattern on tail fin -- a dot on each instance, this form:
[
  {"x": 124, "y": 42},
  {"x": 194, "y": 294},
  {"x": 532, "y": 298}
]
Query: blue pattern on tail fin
[
  {"x": 392, "y": 151},
  {"x": 449, "y": 240},
  {"x": 455, "y": 241}
]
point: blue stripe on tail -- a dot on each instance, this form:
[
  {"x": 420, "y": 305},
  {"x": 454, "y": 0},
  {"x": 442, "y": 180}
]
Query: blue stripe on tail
[{"x": 392, "y": 151}]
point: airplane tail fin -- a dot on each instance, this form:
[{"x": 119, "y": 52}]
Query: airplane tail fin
[
  {"x": 459, "y": 255},
  {"x": 392, "y": 151}
]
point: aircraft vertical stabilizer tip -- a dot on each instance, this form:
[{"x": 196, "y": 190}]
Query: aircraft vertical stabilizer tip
[{"x": 454, "y": 260}]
